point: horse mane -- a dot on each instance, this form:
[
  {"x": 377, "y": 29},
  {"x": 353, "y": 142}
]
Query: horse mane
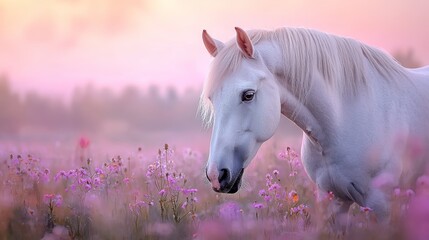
[{"x": 340, "y": 60}]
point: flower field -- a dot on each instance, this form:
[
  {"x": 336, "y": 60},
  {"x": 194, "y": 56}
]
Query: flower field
[{"x": 54, "y": 193}]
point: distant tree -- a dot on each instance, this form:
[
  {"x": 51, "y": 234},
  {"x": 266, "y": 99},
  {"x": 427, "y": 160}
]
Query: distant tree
[
  {"x": 86, "y": 109},
  {"x": 130, "y": 106},
  {"x": 407, "y": 58},
  {"x": 45, "y": 113},
  {"x": 172, "y": 96},
  {"x": 153, "y": 93},
  {"x": 10, "y": 109}
]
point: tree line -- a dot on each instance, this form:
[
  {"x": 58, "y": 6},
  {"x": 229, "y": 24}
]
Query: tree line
[{"x": 130, "y": 112}]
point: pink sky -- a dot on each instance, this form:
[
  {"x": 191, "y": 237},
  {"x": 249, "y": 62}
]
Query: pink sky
[{"x": 55, "y": 46}]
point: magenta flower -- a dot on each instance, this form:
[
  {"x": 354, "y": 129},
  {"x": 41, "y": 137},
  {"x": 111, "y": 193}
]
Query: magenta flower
[
  {"x": 267, "y": 198},
  {"x": 135, "y": 207},
  {"x": 87, "y": 187},
  {"x": 365, "y": 209},
  {"x": 409, "y": 193},
  {"x": 99, "y": 171},
  {"x": 171, "y": 180},
  {"x": 97, "y": 181},
  {"x": 188, "y": 191},
  {"x": 150, "y": 171},
  {"x": 162, "y": 192},
  {"x": 293, "y": 195},
  {"x": 72, "y": 173},
  {"x": 274, "y": 187},
  {"x": 52, "y": 199},
  {"x": 126, "y": 181},
  {"x": 258, "y": 205},
  {"x": 82, "y": 172},
  {"x": 83, "y": 142},
  {"x": 58, "y": 200},
  {"x": 282, "y": 155},
  {"x": 60, "y": 174},
  {"x": 287, "y": 154},
  {"x": 397, "y": 192},
  {"x": 47, "y": 198},
  {"x": 293, "y": 173},
  {"x": 299, "y": 209}
]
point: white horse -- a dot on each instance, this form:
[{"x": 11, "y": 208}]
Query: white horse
[{"x": 358, "y": 108}]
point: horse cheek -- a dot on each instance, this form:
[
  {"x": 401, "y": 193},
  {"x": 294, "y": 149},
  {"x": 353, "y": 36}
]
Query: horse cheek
[{"x": 268, "y": 121}]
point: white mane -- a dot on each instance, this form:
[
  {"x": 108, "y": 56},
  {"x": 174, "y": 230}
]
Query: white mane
[{"x": 340, "y": 60}]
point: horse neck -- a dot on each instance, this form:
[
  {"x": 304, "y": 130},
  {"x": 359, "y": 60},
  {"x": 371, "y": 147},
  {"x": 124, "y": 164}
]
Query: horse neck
[
  {"x": 322, "y": 112},
  {"x": 316, "y": 115}
]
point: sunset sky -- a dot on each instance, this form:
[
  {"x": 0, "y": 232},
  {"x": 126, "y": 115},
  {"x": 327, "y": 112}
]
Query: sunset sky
[{"x": 52, "y": 46}]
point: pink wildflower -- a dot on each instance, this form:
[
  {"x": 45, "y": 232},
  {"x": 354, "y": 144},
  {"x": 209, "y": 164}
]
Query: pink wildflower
[
  {"x": 126, "y": 181},
  {"x": 331, "y": 195},
  {"x": 83, "y": 142},
  {"x": 365, "y": 209},
  {"x": 55, "y": 200},
  {"x": 282, "y": 155},
  {"x": 162, "y": 192},
  {"x": 99, "y": 171},
  {"x": 97, "y": 181},
  {"x": 302, "y": 208},
  {"x": 397, "y": 192},
  {"x": 258, "y": 205},
  {"x": 60, "y": 174},
  {"x": 58, "y": 200},
  {"x": 188, "y": 191},
  {"x": 409, "y": 193},
  {"x": 274, "y": 187},
  {"x": 267, "y": 198},
  {"x": 87, "y": 187},
  {"x": 47, "y": 198},
  {"x": 293, "y": 195}
]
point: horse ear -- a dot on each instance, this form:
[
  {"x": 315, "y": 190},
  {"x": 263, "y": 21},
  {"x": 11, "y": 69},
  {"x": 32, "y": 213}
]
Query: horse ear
[
  {"x": 213, "y": 46},
  {"x": 244, "y": 43}
]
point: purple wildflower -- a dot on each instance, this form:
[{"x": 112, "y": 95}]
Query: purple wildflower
[
  {"x": 258, "y": 205},
  {"x": 162, "y": 192}
]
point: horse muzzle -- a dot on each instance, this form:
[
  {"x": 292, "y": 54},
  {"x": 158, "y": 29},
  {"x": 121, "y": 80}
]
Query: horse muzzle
[{"x": 225, "y": 181}]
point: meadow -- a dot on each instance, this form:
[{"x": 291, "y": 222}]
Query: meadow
[{"x": 79, "y": 191}]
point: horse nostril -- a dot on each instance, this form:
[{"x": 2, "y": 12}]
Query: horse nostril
[{"x": 223, "y": 177}]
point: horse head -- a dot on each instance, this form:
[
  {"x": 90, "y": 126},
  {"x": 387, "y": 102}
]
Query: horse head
[{"x": 245, "y": 100}]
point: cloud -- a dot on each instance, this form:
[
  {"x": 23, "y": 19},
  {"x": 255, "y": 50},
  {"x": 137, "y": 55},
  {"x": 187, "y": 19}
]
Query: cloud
[{"x": 64, "y": 23}]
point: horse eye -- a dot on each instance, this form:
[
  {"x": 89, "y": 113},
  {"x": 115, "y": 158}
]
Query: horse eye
[{"x": 247, "y": 95}]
